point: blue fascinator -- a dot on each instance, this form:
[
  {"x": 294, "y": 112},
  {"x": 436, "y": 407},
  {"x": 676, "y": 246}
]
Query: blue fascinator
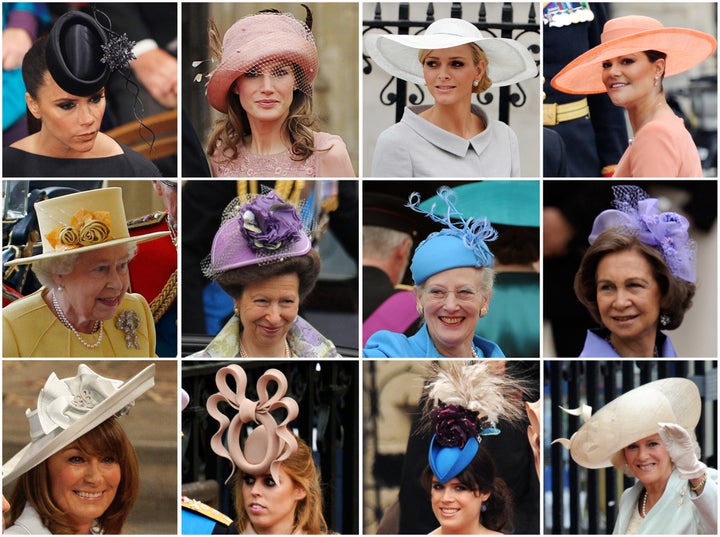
[
  {"x": 465, "y": 402},
  {"x": 460, "y": 244},
  {"x": 637, "y": 214}
]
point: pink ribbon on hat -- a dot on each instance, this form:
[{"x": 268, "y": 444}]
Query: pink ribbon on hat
[{"x": 272, "y": 442}]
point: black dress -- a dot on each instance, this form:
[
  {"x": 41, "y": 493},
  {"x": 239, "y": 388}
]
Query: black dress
[{"x": 19, "y": 163}]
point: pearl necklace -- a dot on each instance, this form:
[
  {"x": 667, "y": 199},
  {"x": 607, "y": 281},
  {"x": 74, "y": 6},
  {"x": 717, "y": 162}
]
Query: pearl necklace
[
  {"x": 243, "y": 354},
  {"x": 64, "y": 320},
  {"x": 643, "y": 504},
  {"x": 474, "y": 352}
]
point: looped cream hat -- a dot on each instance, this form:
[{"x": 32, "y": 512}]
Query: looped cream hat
[
  {"x": 630, "y": 417},
  {"x": 684, "y": 47},
  {"x": 71, "y": 407},
  {"x": 508, "y": 60},
  {"x": 81, "y": 222}
]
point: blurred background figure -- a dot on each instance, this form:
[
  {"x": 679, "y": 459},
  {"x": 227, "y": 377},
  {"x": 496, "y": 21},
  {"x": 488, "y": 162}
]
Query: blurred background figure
[
  {"x": 23, "y": 23},
  {"x": 389, "y": 233},
  {"x": 153, "y": 270}
]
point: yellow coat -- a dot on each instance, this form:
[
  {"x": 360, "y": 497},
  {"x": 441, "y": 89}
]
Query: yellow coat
[{"x": 30, "y": 329}]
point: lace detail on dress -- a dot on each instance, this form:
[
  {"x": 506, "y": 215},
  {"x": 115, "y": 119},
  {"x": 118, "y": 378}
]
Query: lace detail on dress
[{"x": 248, "y": 164}]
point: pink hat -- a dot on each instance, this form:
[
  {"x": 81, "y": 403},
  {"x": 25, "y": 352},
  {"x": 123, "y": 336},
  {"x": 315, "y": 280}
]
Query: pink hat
[
  {"x": 262, "y": 40},
  {"x": 264, "y": 229},
  {"x": 685, "y": 48}
]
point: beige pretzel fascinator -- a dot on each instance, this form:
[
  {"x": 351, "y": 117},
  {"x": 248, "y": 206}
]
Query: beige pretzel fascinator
[{"x": 270, "y": 442}]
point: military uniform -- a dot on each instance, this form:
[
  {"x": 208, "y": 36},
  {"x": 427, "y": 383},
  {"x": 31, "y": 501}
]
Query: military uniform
[
  {"x": 153, "y": 274},
  {"x": 592, "y": 126},
  {"x": 201, "y": 519}
]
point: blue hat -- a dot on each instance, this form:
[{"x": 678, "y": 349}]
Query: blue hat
[
  {"x": 461, "y": 244},
  {"x": 512, "y": 203},
  {"x": 448, "y": 462}
]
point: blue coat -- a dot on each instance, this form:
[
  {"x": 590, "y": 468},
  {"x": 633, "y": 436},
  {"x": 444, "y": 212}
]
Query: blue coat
[
  {"x": 386, "y": 344},
  {"x": 679, "y": 511}
]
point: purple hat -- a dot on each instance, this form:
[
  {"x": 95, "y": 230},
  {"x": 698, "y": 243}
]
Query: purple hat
[
  {"x": 637, "y": 214},
  {"x": 262, "y": 40},
  {"x": 264, "y": 230}
]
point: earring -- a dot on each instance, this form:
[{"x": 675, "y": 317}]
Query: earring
[
  {"x": 236, "y": 312},
  {"x": 655, "y": 82},
  {"x": 60, "y": 288},
  {"x": 484, "y": 507},
  {"x": 419, "y": 309},
  {"x": 476, "y": 83},
  {"x": 664, "y": 320},
  {"x": 483, "y": 311}
]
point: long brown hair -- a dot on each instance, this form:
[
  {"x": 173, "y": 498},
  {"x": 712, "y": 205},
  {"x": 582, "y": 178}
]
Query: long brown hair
[{"x": 34, "y": 486}]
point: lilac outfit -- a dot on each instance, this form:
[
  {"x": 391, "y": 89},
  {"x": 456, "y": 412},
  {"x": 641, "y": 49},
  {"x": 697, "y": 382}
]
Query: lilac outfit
[
  {"x": 335, "y": 162},
  {"x": 596, "y": 346}
]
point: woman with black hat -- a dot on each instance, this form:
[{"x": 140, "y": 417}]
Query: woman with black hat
[{"x": 65, "y": 75}]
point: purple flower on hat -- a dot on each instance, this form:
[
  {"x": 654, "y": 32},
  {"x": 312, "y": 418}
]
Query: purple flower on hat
[
  {"x": 454, "y": 425},
  {"x": 268, "y": 223}
]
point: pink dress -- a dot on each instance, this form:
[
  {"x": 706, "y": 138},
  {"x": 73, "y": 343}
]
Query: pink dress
[
  {"x": 662, "y": 148},
  {"x": 335, "y": 162}
]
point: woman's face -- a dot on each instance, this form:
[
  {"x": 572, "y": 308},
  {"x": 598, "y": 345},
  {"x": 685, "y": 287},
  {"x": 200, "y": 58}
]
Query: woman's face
[
  {"x": 268, "y": 309},
  {"x": 82, "y": 485},
  {"x": 649, "y": 461},
  {"x": 456, "y": 507},
  {"x": 96, "y": 286},
  {"x": 271, "y": 506},
  {"x": 630, "y": 79},
  {"x": 628, "y": 296},
  {"x": 70, "y": 123},
  {"x": 451, "y": 301},
  {"x": 266, "y": 92},
  {"x": 449, "y": 74}
]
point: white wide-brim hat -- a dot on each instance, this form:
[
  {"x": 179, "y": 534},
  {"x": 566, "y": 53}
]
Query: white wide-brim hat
[
  {"x": 631, "y": 417},
  {"x": 71, "y": 407},
  {"x": 81, "y": 222},
  {"x": 508, "y": 60}
]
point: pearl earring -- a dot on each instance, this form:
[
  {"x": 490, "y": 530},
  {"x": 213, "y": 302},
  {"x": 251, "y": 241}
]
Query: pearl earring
[
  {"x": 483, "y": 311},
  {"x": 655, "y": 82},
  {"x": 476, "y": 83}
]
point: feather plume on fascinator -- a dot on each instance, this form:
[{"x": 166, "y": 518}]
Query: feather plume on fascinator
[
  {"x": 466, "y": 401},
  {"x": 460, "y": 244}
]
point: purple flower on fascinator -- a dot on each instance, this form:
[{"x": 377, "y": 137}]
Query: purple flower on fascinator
[
  {"x": 639, "y": 214},
  {"x": 454, "y": 425},
  {"x": 269, "y": 223}
]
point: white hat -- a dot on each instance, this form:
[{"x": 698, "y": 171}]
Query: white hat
[
  {"x": 631, "y": 417},
  {"x": 508, "y": 60},
  {"x": 83, "y": 221},
  {"x": 68, "y": 408}
]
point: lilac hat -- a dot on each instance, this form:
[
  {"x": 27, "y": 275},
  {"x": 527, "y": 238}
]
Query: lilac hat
[
  {"x": 637, "y": 214},
  {"x": 263, "y": 230},
  {"x": 459, "y": 245},
  {"x": 260, "y": 40}
]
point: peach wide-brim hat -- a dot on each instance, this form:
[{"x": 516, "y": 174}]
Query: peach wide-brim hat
[
  {"x": 684, "y": 47},
  {"x": 632, "y": 416},
  {"x": 81, "y": 222},
  {"x": 258, "y": 40}
]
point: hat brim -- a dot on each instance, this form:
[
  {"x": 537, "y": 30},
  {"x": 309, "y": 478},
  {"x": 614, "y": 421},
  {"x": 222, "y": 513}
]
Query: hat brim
[
  {"x": 685, "y": 48},
  {"x": 633, "y": 416},
  {"x": 36, "y": 452},
  {"x": 253, "y": 53},
  {"x": 508, "y": 60},
  {"x": 115, "y": 242}
]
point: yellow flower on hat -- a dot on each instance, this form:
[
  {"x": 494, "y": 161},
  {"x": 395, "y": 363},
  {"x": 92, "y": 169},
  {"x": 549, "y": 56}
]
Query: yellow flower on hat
[{"x": 86, "y": 227}]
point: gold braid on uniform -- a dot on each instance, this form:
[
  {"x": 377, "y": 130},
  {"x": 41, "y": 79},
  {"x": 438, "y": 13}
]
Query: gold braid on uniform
[
  {"x": 165, "y": 298},
  {"x": 288, "y": 189}
]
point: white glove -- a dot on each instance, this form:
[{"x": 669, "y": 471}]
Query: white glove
[{"x": 680, "y": 447}]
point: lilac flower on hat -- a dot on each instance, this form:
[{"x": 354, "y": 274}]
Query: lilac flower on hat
[{"x": 269, "y": 223}]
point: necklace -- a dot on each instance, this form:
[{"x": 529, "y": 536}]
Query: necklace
[
  {"x": 242, "y": 353},
  {"x": 474, "y": 352},
  {"x": 64, "y": 320},
  {"x": 643, "y": 504}
]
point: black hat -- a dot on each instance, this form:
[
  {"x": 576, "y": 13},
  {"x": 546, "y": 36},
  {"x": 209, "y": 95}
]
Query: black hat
[
  {"x": 385, "y": 210},
  {"x": 74, "y": 54}
]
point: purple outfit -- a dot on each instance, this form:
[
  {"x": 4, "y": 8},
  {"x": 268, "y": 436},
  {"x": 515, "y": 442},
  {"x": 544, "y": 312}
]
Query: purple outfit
[{"x": 597, "y": 346}]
